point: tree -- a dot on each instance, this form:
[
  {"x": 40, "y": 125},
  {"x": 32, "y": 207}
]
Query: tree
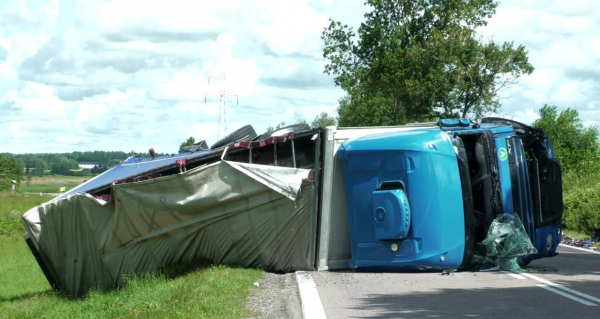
[
  {"x": 323, "y": 120},
  {"x": 62, "y": 165},
  {"x": 40, "y": 166},
  {"x": 10, "y": 170},
  {"x": 190, "y": 141},
  {"x": 412, "y": 60},
  {"x": 574, "y": 144}
]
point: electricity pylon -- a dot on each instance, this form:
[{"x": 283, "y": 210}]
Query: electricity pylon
[{"x": 223, "y": 108}]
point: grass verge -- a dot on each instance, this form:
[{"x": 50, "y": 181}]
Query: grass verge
[
  {"x": 12, "y": 206},
  {"x": 213, "y": 292}
]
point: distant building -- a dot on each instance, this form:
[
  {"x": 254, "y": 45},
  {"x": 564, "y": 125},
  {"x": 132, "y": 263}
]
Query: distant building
[{"x": 87, "y": 165}]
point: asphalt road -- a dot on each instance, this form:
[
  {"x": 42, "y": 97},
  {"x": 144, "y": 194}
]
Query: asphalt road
[{"x": 565, "y": 286}]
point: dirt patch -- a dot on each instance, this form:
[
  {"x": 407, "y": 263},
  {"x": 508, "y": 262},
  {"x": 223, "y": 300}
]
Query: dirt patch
[{"x": 275, "y": 297}]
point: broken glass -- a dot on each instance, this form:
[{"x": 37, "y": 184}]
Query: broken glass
[{"x": 505, "y": 243}]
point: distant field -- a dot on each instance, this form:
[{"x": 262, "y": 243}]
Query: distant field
[
  {"x": 213, "y": 292},
  {"x": 51, "y": 183}
]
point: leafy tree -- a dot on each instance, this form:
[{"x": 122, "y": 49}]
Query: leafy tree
[
  {"x": 375, "y": 110},
  {"x": 190, "y": 141},
  {"x": 10, "y": 170},
  {"x": 41, "y": 161},
  {"x": 40, "y": 166},
  {"x": 574, "y": 144},
  {"x": 323, "y": 120},
  {"x": 416, "y": 59},
  {"x": 62, "y": 165}
]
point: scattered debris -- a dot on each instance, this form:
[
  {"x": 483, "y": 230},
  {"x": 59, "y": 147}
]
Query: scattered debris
[{"x": 448, "y": 272}]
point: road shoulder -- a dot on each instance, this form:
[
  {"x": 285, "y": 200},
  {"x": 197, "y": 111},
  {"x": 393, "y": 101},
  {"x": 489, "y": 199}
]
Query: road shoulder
[{"x": 275, "y": 297}]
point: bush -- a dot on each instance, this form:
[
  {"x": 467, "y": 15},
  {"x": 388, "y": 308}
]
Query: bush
[
  {"x": 581, "y": 189},
  {"x": 10, "y": 169},
  {"x": 10, "y": 223},
  {"x": 5, "y": 184}
]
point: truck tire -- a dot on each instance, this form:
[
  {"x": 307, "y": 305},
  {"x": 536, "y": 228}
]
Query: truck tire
[{"x": 245, "y": 133}]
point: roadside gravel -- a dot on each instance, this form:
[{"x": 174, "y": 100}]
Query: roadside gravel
[{"x": 275, "y": 297}]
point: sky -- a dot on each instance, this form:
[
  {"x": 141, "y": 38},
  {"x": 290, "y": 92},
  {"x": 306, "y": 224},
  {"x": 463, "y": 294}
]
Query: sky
[{"x": 129, "y": 75}]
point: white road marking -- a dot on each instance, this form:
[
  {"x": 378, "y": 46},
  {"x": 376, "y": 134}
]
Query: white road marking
[
  {"x": 549, "y": 283},
  {"x": 579, "y": 248},
  {"x": 566, "y": 295},
  {"x": 514, "y": 275},
  {"x": 309, "y": 297}
]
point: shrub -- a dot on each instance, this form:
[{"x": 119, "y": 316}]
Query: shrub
[{"x": 581, "y": 189}]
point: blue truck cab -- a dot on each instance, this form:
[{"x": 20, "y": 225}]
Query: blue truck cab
[{"x": 424, "y": 199}]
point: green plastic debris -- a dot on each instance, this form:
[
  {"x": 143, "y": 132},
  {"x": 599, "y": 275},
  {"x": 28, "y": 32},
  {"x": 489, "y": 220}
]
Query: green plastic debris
[
  {"x": 509, "y": 264},
  {"x": 507, "y": 240}
]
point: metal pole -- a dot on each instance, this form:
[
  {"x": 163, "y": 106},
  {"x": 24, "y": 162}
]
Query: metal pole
[
  {"x": 293, "y": 153},
  {"x": 275, "y": 150}
]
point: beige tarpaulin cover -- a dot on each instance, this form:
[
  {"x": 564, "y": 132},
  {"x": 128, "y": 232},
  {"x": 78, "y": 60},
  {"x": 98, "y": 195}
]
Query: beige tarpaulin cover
[{"x": 230, "y": 213}]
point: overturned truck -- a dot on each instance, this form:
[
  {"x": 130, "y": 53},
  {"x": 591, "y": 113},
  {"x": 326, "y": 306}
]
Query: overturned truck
[{"x": 407, "y": 198}]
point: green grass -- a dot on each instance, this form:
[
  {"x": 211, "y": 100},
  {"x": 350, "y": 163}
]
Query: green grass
[
  {"x": 19, "y": 273},
  {"x": 12, "y": 206},
  {"x": 213, "y": 292}
]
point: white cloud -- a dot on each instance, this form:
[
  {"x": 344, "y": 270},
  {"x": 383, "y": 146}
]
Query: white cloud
[
  {"x": 117, "y": 75},
  {"x": 187, "y": 85},
  {"x": 17, "y": 132},
  {"x": 205, "y": 131},
  {"x": 562, "y": 40}
]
